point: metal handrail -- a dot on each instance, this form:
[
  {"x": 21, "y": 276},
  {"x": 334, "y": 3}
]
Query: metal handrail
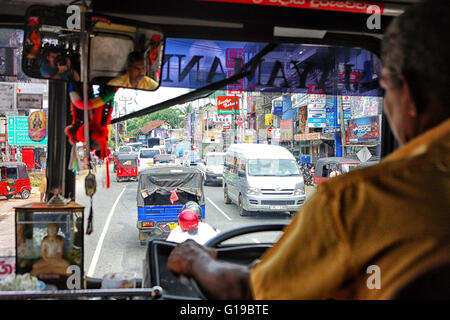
[{"x": 152, "y": 293}]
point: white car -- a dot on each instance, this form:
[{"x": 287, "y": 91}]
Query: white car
[
  {"x": 145, "y": 157},
  {"x": 212, "y": 167}
]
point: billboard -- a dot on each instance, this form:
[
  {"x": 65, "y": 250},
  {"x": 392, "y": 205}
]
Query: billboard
[{"x": 363, "y": 130}]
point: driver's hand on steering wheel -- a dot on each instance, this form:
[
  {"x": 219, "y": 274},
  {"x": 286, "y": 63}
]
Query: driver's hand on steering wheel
[{"x": 181, "y": 258}]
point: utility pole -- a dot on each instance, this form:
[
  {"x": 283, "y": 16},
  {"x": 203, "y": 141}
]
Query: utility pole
[
  {"x": 234, "y": 120},
  {"x": 342, "y": 125}
]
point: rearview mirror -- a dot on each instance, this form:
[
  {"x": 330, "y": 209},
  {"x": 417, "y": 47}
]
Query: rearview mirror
[{"x": 122, "y": 53}]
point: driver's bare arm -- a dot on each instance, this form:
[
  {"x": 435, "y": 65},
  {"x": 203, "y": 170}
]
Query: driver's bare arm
[{"x": 218, "y": 280}]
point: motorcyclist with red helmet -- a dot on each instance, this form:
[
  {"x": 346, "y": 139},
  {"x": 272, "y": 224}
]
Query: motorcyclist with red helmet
[{"x": 190, "y": 226}]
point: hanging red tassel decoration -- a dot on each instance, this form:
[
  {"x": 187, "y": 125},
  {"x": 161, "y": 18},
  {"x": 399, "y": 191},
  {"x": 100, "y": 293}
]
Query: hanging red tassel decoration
[{"x": 108, "y": 180}]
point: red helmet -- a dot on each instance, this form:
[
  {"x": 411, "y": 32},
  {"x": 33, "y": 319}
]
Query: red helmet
[{"x": 188, "y": 220}]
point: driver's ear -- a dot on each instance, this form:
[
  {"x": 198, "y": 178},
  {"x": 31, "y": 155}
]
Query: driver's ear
[{"x": 406, "y": 98}]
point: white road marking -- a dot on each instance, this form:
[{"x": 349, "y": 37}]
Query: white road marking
[
  {"x": 226, "y": 216},
  {"x": 98, "y": 249}
]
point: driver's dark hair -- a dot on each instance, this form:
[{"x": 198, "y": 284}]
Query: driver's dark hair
[
  {"x": 417, "y": 46},
  {"x": 135, "y": 56},
  {"x": 51, "y": 49}
]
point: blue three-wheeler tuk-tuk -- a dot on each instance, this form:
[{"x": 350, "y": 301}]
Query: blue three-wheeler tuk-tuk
[{"x": 162, "y": 192}]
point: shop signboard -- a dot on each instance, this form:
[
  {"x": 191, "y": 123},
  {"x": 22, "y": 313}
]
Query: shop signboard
[
  {"x": 302, "y": 118},
  {"x": 221, "y": 119},
  {"x": 6, "y": 97},
  {"x": 298, "y": 100},
  {"x": 226, "y": 104},
  {"x": 18, "y": 133},
  {"x": 232, "y": 55},
  {"x": 307, "y": 136},
  {"x": 317, "y": 114},
  {"x": 347, "y": 107},
  {"x": 235, "y": 88},
  {"x": 363, "y": 129},
  {"x": 277, "y": 106},
  {"x": 316, "y": 125},
  {"x": 268, "y": 119},
  {"x": 286, "y": 130},
  {"x": 26, "y": 101},
  {"x": 251, "y": 104},
  {"x": 363, "y": 106},
  {"x": 278, "y": 110},
  {"x": 317, "y": 98}
]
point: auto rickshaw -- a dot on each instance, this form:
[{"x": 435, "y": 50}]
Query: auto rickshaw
[
  {"x": 14, "y": 180},
  {"x": 127, "y": 167},
  {"x": 324, "y": 166},
  {"x": 162, "y": 192}
]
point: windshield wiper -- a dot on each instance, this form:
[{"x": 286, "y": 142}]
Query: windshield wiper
[{"x": 204, "y": 91}]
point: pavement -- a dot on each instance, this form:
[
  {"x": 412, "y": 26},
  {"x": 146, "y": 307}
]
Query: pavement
[
  {"x": 7, "y": 227},
  {"x": 7, "y": 234}
]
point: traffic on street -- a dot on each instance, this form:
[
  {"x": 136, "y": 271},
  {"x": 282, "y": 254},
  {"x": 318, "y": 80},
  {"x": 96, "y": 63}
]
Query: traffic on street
[{"x": 114, "y": 245}]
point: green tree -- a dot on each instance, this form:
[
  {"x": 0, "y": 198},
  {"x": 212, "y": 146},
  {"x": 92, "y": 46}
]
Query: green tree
[{"x": 170, "y": 115}]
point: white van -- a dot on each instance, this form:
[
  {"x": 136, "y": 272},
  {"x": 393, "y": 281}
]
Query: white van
[
  {"x": 259, "y": 177},
  {"x": 145, "y": 157}
]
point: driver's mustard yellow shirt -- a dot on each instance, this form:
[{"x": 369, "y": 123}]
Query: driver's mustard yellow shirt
[
  {"x": 124, "y": 81},
  {"x": 394, "y": 216}
]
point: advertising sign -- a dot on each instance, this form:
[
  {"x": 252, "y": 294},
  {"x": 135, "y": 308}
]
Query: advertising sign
[
  {"x": 251, "y": 104},
  {"x": 277, "y": 106},
  {"x": 18, "y": 133},
  {"x": 347, "y": 107},
  {"x": 269, "y": 119},
  {"x": 302, "y": 118},
  {"x": 235, "y": 88},
  {"x": 26, "y": 101},
  {"x": 233, "y": 54},
  {"x": 363, "y": 129},
  {"x": 6, "y": 97},
  {"x": 226, "y": 104},
  {"x": 363, "y": 106},
  {"x": 286, "y": 129},
  {"x": 221, "y": 119},
  {"x": 317, "y": 98},
  {"x": 299, "y": 100},
  {"x": 317, "y": 116}
]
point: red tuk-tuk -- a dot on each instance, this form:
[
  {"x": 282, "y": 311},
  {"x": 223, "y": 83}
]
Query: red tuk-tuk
[
  {"x": 325, "y": 166},
  {"x": 127, "y": 167},
  {"x": 14, "y": 180}
]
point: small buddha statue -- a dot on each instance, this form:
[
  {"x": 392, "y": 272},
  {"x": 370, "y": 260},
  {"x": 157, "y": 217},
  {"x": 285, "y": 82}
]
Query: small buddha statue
[{"x": 52, "y": 249}]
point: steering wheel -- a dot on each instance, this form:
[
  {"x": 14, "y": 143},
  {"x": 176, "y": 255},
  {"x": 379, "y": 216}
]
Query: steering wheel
[{"x": 226, "y": 235}]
